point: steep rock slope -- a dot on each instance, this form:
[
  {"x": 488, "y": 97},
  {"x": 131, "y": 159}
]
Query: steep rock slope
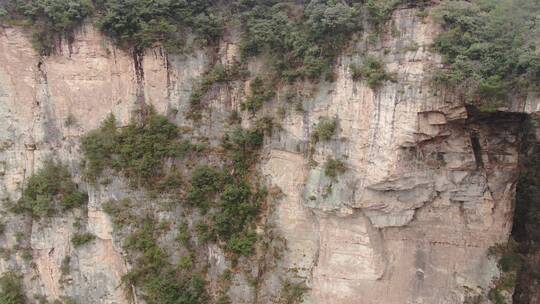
[{"x": 429, "y": 184}]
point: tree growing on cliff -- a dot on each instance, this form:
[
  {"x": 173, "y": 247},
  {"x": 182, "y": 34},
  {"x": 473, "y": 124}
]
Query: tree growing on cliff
[{"x": 50, "y": 190}]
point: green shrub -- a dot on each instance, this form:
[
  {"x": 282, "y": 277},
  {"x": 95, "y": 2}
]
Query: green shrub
[
  {"x": 509, "y": 258},
  {"x": 242, "y": 146},
  {"x": 373, "y": 72},
  {"x": 134, "y": 24},
  {"x": 325, "y": 129},
  {"x": 242, "y": 243},
  {"x": 334, "y": 167},
  {"x": 98, "y": 147},
  {"x": 80, "y": 239},
  {"x": 224, "y": 299},
  {"x": 237, "y": 205},
  {"x": 141, "y": 148},
  {"x": 260, "y": 93},
  {"x": 489, "y": 49},
  {"x": 205, "y": 183},
  {"x": 237, "y": 208},
  {"x": 50, "y": 190},
  {"x": 11, "y": 289},
  {"x": 26, "y": 254},
  {"x": 509, "y": 262},
  {"x": 186, "y": 262}
]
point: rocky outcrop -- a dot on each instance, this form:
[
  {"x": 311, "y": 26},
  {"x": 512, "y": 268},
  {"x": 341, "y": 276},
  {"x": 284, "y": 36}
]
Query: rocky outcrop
[{"x": 429, "y": 185}]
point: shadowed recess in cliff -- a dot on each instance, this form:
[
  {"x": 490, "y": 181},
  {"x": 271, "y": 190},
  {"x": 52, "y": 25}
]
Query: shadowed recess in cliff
[{"x": 526, "y": 223}]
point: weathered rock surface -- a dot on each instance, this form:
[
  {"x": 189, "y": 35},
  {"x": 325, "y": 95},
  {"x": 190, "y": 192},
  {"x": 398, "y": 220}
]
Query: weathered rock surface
[{"x": 429, "y": 185}]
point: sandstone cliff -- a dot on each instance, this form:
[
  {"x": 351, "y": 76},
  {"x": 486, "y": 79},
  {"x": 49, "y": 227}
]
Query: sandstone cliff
[{"x": 429, "y": 185}]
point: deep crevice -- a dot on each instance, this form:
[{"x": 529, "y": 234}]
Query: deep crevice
[
  {"x": 477, "y": 149},
  {"x": 526, "y": 221}
]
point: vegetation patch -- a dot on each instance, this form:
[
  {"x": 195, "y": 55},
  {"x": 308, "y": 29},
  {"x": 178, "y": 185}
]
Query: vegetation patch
[
  {"x": 158, "y": 280},
  {"x": 217, "y": 74},
  {"x": 80, "y": 239},
  {"x": 292, "y": 293},
  {"x": 490, "y": 49},
  {"x": 142, "y": 23},
  {"x": 205, "y": 183},
  {"x": 224, "y": 194},
  {"x": 50, "y": 20},
  {"x": 334, "y": 167},
  {"x": 49, "y": 191},
  {"x": 372, "y": 71},
  {"x": 232, "y": 200},
  {"x": 133, "y": 24},
  {"x": 379, "y": 11},
  {"x": 241, "y": 147},
  {"x": 11, "y": 289},
  {"x": 302, "y": 41},
  {"x": 260, "y": 93},
  {"x": 325, "y": 129},
  {"x": 138, "y": 151}
]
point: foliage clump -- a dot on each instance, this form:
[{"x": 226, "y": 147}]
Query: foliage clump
[
  {"x": 205, "y": 182},
  {"x": 138, "y": 150},
  {"x": 325, "y": 129},
  {"x": 11, "y": 289},
  {"x": 302, "y": 41},
  {"x": 490, "y": 49},
  {"x": 142, "y": 23},
  {"x": 260, "y": 93},
  {"x": 380, "y": 11},
  {"x": 241, "y": 146},
  {"x": 80, "y": 239},
  {"x": 157, "y": 278},
  {"x": 238, "y": 207},
  {"x": 50, "y": 190},
  {"x": 334, "y": 167},
  {"x": 372, "y": 70},
  {"x": 133, "y": 24}
]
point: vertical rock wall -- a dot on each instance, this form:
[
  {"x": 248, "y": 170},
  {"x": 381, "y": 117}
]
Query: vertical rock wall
[{"x": 429, "y": 185}]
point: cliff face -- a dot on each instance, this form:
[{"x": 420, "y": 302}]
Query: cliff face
[{"x": 429, "y": 185}]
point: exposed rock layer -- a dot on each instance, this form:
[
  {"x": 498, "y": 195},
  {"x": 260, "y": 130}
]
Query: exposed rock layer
[{"x": 429, "y": 187}]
